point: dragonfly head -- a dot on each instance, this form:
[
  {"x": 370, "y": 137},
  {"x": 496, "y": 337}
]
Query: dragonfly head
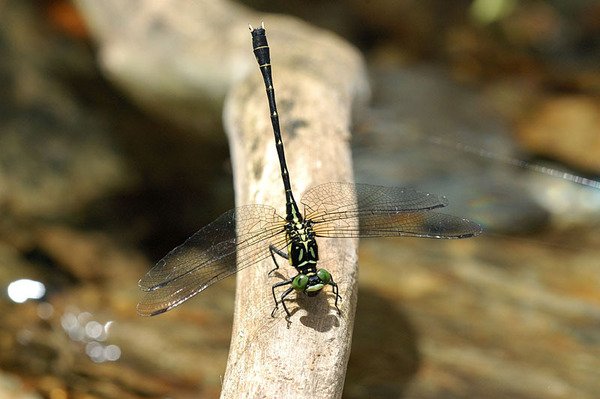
[{"x": 311, "y": 283}]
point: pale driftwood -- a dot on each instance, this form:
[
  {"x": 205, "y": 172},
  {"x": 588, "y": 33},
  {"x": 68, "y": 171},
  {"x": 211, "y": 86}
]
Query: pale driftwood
[
  {"x": 317, "y": 80},
  {"x": 308, "y": 358}
]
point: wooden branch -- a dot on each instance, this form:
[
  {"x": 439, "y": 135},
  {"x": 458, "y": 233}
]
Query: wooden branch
[
  {"x": 317, "y": 79},
  {"x": 313, "y": 87}
]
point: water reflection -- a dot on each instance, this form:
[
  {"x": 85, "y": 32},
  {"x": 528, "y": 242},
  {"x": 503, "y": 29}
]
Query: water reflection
[
  {"x": 81, "y": 327},
  {"x": 100, "y": 353},
  {"x": 20, "y": 291}
]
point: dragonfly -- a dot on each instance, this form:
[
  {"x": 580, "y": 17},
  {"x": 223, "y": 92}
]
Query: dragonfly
[{"x": 246, "y": 235}]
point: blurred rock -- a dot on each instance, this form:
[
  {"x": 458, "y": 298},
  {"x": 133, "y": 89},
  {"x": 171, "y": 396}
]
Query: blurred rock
[
  {"x": 56, "y": 156},
  {"x": 427, "y": 132},
  {"x": 520, "y": 321},
  {"x": 89, "y": 256},
  {"x": 90, "y": 303},
  {"x": 566, "y": 128},
  {"x": 14, "y": 388},
  {"x": 49, "y": 170}
]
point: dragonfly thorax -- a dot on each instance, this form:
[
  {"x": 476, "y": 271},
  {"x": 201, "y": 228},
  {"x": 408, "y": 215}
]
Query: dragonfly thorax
[{"x": 303, "y": 252}]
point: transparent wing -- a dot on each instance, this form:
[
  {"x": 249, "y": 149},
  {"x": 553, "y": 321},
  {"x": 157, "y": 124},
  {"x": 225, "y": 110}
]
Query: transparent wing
[
  {"x": 214, "y": 252},
  {"x": 409, "y": 224},
  {"x": 362, "y": 210}
]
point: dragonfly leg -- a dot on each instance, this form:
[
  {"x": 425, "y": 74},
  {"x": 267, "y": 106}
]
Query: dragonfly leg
[
  {"x": 335, "y": 289},
  {"x": 279, "y": 252},
  {"x": 286, "y": 293}
]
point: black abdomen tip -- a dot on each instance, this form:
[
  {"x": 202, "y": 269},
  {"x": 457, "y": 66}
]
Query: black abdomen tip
[{"x": 259, "y": 38}]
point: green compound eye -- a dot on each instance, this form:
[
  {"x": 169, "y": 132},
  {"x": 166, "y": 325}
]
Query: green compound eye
[
  {"x": 300, "y": 282},
  {"x": 324, "y": 275}
]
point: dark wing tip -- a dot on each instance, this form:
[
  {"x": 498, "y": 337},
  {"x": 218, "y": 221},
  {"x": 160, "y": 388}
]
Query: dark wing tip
[
  {"x": 440, "y": 225},
  {"x": 148, "y": 311},
  {"x": 467, "y": 229}
]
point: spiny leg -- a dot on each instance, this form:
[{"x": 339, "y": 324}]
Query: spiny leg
[
  {"x": 279, "y": 252},
  {"x": 282, "y": 301},
  {"x": 286, "y": 293},
  {"x": 335, "y": 289}
]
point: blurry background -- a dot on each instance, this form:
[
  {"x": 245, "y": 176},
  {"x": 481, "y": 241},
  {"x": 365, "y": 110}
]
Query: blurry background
[{"x": 481, "y": 101}]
